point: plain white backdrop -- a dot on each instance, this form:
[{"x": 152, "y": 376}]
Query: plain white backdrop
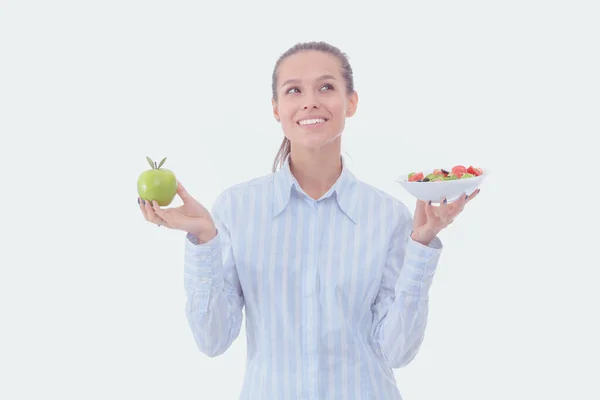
[{"x": 91, "y": 295}]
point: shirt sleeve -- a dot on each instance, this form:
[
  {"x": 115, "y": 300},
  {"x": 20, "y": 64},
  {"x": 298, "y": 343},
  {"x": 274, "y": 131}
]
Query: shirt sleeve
[
  {"x": 402, "y": 304},
  {"x": 214, "y": 298}
]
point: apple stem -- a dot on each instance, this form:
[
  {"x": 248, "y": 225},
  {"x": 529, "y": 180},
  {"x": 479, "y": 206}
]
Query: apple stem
[{"x": 155, "y": 167}]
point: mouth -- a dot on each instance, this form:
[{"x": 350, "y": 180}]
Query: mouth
[{"x": 311, "y": 122}]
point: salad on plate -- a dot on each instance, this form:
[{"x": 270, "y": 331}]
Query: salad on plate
[{"x": 440, "y": 175}]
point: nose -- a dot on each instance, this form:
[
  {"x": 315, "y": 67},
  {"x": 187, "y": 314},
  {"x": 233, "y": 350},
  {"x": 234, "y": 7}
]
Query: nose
[
  {"x": 310, "y": 102},
  {"x": 310, "y": 105}
]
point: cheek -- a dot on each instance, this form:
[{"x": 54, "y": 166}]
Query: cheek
[
  {"x": 337, "y": 108},
  {"x": 286, "y": 111},
  {"x": 339, "y": 114}
]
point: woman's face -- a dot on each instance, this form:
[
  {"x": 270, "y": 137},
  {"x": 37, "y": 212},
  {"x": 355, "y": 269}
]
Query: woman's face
[{"x": 312, "y": 102}]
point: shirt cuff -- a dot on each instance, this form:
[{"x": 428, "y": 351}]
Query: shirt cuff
[
  {"x": 202, "y": 259},
  {"x": 420, "y": 263}
]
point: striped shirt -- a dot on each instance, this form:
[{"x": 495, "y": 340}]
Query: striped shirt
[{"x": 335, "y": 290}]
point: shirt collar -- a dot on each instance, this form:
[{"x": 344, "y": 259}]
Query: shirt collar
[{"x": 345, "y": 190}]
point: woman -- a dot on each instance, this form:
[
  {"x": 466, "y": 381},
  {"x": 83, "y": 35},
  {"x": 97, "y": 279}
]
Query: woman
[{"x": 333, "y": 273}]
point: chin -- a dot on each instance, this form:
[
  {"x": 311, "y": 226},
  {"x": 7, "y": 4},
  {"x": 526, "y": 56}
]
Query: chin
[{"x": 314, "y": 140}]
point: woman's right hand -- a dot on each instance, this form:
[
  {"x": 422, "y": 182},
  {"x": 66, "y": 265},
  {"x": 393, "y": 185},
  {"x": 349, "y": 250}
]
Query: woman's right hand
[{"x": 192, "y": 217}]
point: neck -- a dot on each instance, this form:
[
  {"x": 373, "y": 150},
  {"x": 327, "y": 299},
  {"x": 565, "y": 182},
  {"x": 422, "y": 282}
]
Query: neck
[{"x": 316, "y": 170}]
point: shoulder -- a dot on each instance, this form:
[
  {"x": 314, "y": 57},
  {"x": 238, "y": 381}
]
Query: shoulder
[
  {"x": 248, "y": 192},
  {"x": 254, "y": 186},
  {"x": 378, "y": 199}
]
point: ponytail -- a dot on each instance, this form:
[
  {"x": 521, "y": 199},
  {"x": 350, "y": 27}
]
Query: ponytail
[{"x": 284, "y": 151}]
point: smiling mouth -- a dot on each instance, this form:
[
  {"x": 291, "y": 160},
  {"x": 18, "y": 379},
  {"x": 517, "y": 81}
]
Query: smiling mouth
[{"x": 311, "y": 121}]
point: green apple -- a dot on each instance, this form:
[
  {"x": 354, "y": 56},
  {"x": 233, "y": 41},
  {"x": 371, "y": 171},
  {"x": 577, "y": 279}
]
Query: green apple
[{"x": 157, "y": 184}]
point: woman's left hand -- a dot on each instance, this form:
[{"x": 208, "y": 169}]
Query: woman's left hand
[{"x": 429, "y": 220}]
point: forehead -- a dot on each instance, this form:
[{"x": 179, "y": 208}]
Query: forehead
[{"x": 308, "y": 65}]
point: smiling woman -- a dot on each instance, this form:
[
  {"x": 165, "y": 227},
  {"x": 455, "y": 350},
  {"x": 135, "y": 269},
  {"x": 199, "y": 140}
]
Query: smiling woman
[
  {"x": 333, "y": 273},
  {"x": 294, "y": 81}
]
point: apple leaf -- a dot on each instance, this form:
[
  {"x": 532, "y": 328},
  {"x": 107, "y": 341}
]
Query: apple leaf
[
  {"x": 150, "y": 162},
  {"x": 162, "y": 162}
]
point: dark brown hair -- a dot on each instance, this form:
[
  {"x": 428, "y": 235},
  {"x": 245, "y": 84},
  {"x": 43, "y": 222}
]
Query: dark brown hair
[{"x": 347, "y": 73}]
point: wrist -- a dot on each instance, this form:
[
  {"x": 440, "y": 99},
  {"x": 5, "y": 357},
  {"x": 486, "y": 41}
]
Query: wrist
[
  {"x": 424, "y": 235},
  {"x": 205, "y": 237}
]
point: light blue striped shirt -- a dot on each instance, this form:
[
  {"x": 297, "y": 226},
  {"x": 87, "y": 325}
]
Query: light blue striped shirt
[{"x": 335, "y": 291}]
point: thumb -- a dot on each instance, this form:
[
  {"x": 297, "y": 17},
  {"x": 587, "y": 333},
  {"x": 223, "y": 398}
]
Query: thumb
[{"x": 185, "y": 196}]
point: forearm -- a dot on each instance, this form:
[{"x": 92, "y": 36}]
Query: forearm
[
  {"x": 401, "y": 328},
  {"x": 213, "y": 310}
]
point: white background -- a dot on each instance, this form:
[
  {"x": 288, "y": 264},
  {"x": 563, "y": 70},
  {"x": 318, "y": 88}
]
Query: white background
[{"x": 91, "y": 295}]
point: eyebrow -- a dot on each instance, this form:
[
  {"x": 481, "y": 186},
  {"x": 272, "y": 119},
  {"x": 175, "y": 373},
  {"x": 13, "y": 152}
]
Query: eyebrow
[{"x": 298, "y": 81}]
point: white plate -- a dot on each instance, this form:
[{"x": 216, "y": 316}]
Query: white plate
[{"x": 436, "y": 191}]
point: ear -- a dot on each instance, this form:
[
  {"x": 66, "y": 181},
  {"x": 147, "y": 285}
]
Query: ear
[
  {"x": 352, "y": 104},
  {"x": 275, "y": 109}
]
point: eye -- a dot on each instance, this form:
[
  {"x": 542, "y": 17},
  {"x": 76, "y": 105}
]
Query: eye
[
  {"x": 290, "y": 90},
  {"x": 327, "y": 85}
]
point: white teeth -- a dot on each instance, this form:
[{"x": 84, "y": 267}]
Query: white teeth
[{"x": 311, "y": 121}]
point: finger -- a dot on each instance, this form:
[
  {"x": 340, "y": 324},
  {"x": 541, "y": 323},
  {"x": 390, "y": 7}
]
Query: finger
[
  {"x": 473, "y": 195},
  {"x": 162, "y": 214},
  {"x": 457, "y": 207},
  {"x": 430, "y": 212},
  {"x": 459, "y": 203},
  {"x": 152, "y": 217},
  {"x": 442, "y": 209},
  {"x": 142, "y": 206},
  {"x": 420, "y": 213}
]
